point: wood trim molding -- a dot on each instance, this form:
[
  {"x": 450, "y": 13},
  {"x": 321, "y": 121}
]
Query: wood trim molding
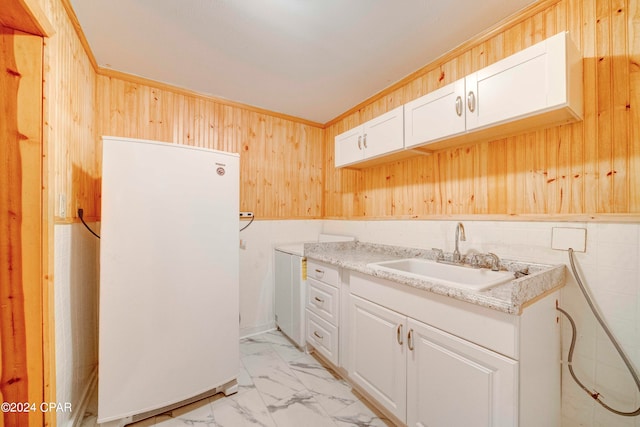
[
  {"x": 80, "y": 33},
  {"x": 26, "y": 16},
  {"x": 612, "y": 218}
]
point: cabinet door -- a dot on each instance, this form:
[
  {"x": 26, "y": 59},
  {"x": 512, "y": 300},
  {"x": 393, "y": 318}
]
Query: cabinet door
[
  {"x": 517, "y": 86},
  {"x": 348, "y": 147},
  {"x": 384, "y": 134},
  {"x": 436, "y": 115},
  {"x": 377, "y": 353},
  {"x": 452, "y": 382}
]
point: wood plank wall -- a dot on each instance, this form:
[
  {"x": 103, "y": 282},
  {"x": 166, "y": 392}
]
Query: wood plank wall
[
  {"x": 69, "y": 120},
  {"x": 280, "y": 159},
  {"x": 585, "y": 169}
]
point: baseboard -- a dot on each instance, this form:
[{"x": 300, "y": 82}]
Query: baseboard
[
  {"x": 78, "y": 412},
  {"x": 381, "y": 412},
  {"x": 256, "y": 330}
]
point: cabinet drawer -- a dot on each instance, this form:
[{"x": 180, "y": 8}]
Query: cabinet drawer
[
  {"x": 323, "y": 272},
  {"x": 323, "y": 337},
  {"x": 323, "y": 300}
]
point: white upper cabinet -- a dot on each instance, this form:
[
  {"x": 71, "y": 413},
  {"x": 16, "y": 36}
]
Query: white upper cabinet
[
  {"x": 438, "y": 114},
  {"x": 544, "y": 77},
  {"x": 378, "y": 137},
  {"x": 537, "y": 87}
]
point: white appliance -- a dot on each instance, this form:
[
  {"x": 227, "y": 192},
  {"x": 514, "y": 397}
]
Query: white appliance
[
  {"x": 169, "y": 267},
  {"x": 290, "y": 287}
]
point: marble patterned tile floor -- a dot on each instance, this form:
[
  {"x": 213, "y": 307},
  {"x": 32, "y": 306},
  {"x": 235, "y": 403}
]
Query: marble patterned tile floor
[{"x": 279, "y": 386}]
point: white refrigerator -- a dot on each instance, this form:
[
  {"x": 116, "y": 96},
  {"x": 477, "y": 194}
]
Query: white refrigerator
[{"x": 168, "y": 277}]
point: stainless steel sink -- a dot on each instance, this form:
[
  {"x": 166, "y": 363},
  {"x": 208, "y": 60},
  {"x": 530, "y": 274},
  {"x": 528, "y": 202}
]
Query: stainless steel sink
[{"x": 458, "y": 276}]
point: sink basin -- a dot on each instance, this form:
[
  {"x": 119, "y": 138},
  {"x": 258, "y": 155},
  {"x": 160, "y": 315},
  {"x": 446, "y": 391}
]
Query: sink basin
[{"x": 453, "y": 275}]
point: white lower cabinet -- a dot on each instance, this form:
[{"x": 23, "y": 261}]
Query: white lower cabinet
[
  {"x": 452, "y": 382},
  {"x": 427, "y": 377},
  {"x": 433, "y": 361}
]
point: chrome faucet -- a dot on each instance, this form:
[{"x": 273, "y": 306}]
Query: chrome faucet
[{"x": 459, "y": 236}]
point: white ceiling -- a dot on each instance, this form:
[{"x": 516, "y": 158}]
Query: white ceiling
[{"x": 313, "y": 59}]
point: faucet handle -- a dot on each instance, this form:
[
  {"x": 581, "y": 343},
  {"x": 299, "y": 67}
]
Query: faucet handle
[
  {"x": 495, "y": 261},
  {"x": 439, "y": 254}
]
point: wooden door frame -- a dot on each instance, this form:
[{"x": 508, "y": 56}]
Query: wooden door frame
[{"x": 27, "y": 359}]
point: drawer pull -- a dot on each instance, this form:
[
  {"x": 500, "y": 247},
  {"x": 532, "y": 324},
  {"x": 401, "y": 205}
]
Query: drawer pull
[
  {"x": 317, "y": 335},
  {"x": 321, "y": 301},
  {"x": 410, "y": 340},
  {"x": 319, "y": 273},
  {"x": 399, "y": 334}
]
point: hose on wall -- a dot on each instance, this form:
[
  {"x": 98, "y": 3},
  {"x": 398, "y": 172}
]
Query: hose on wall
[{"x": 594, "y": 394}]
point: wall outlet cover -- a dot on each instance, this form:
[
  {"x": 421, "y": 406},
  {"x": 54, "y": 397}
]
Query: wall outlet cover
[{"x": 563, "y": 238}]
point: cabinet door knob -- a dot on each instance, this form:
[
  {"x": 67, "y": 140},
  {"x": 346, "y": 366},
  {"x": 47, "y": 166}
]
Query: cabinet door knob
[
  {"x": 459, "y": 106},
  {"x": 319, "y": 273},
  {"x": 364, "y": 140},
  {"x": 317, "y": 335},
  {"x": 399, "y": 334},
  {"x": 471, "y": 101},
  {"x": 319, "y": 300},
  {"x": 410, "y": 340},
  {"x": 360, "y": 142}
]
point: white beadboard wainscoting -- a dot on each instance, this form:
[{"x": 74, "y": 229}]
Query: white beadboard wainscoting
[{"x": 76, "y": 263}]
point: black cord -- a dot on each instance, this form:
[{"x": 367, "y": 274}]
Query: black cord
[
  {"x": 248, "y": 224},
  {"x": 80, "y": 214}
]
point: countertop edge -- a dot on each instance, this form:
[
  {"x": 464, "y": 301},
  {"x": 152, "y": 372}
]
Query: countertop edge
[{"x": 511, "y": 298}]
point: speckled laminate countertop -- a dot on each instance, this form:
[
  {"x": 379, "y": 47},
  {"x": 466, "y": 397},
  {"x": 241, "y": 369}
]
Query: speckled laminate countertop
[{"x": 510, "y": 297}]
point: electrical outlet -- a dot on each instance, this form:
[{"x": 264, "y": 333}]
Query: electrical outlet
[
  {"x": 563, "y": 238},
  {"x": 246, "y": 214}
]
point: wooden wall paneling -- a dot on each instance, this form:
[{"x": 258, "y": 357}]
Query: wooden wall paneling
[
  {"x": 21, "y": 224},
  {"x": 70, "y": 120},
  {"x": 279, "y": 176},
  {"x": 552, "y": 169},
  {"x": 481, "y": 188},
  {"x": 620, "y": 89},
  {"x": 590, "y": 120},
  {"x": 604, "y": 104},
  {"x": 497, "y": 162},
  {"x": 634, "y": 105},
  {"x": 433, "y": 192},
  {"x": 575, "y": 167}
]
